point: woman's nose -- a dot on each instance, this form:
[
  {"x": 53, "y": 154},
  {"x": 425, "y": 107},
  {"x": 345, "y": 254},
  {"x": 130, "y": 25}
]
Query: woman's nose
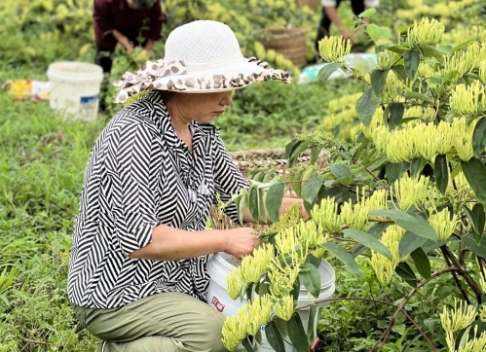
[{"x": 227, "y": 100}]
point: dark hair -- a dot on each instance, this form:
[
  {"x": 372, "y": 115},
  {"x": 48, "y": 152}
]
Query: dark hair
[{"x": 144, "y": 4}]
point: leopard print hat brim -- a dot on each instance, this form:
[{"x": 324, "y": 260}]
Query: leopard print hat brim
[{"x": 175, "y": 76}]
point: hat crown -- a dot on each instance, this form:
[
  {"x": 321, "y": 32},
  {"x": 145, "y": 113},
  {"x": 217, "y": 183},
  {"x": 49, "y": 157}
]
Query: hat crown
[{"x": 203, "y": 43}]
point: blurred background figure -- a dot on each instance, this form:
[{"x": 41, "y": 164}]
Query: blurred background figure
[
  {"x": 127, "y": 22},
  {"x": 330, "y": 15}
]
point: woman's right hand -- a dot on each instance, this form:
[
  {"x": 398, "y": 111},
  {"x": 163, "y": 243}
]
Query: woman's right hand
[{"x": 240, "y": 241}]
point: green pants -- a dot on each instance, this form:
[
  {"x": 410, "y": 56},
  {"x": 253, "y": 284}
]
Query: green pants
[{"x": 166, "y": 322}]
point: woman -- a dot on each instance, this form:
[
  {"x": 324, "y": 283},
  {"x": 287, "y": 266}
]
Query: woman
[
  {"x": 137, "y": 276},
  {"x": 125, "y": 22}
]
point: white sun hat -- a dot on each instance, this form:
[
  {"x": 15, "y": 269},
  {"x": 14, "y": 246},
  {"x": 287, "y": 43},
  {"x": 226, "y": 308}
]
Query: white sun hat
[{"x": 200, "y": 57}]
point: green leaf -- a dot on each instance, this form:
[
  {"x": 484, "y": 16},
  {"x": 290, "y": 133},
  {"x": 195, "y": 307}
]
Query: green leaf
[
  {"x": 314, "y": 315},
  {"x": 411, "y": 62},
  {"x": 368, "y": 13},
  {"x": 340, "y": 170},
  {"x": 416, "y": 166},
  {"x": 375, "y": 231},
  {"x": 282, "y": 326},
  {"x": 297, "y": 151},
  {"x": 326, "y": 71},
  {"x": 274, "y": 337},
  {"x": 248, "y": 345},
  {"x": 311, "y": 279},
  {"x": 479, "y": 137},
  {"x": 258, "y": 337},
  {"x": 396, "y": 112},
  {"x": 315, "y": 150},
  {"x": 411, "y": 222},
  {"x": 399, "y": 71},
  {"x": 366, "y": 105},
  {"x": 340, "y": 253},
  {"x": 273, "y": 200},
  {"x": 473, "y": 246},
  {"x": 296, "y": 289},
  {"x": 409, "y": 242},
  {"x": 240, "y": 204},
  {"x": 463, "y": 45},
  {"x": 297, "y": 182},
  {"x": 378, "y": 80},
  {"x": 421, "y": 262},
  {"x": 297, "y": 334},
  {"x": 399, "y": 49},
  {"x": 262, "y": 214},
  {"x": 369, "y": 241},
  {"x": 394, "y": 171},
  {"x": 405, "y": 271},
  {"x": 430, "y": 51},
  {"x": 294, "y": 143},
  {"x": 475, "y": 173},
  {"x": 373, "y": 31},
  {"x": 253, "y": 202},
  {"x": 418, "y": 96},
  {"x": 441, "y": 172},
  {"x": 311, "y": 260},
  {"x": 311, "y": 188},
  {"x": 477, "y": 219}
]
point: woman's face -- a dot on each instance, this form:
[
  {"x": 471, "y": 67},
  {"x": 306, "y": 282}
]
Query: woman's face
[
  {"x": 133, "y": 4},
  {"x": 203, "y": 107}
]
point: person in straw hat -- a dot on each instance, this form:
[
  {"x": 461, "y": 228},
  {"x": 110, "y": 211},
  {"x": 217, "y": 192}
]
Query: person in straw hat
[{"x": 137, "y": 276}]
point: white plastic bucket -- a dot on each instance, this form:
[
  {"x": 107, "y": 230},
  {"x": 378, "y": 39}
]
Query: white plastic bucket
[
  {"x": 220, "y": 264},
  {"x": 75, "y": 88}
]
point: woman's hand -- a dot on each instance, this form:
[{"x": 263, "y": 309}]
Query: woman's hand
[
  {"x": 240, "y": 241},
  {"x": 123, "y": 40}
]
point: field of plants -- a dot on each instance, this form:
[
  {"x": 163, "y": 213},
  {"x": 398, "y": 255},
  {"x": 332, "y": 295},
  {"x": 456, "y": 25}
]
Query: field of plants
[{"x": 398, "y": 212}]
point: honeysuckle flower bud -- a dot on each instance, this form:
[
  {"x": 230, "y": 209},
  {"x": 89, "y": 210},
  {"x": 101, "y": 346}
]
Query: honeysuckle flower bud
[
  {"x": 482, "y": 71},
  {"x": 253, "y": 266},
  {"x": 460, "y": 62},
  {"x": 346, "y": 102},
  {"x": 468, "y": 101},
  {"x": 234, "y": 331},
  {"x": 392, "y": 93},
  {"x": 443, "y": 224},
  {"x": 309, "y": 235},
  {"x": 482, "y": 283},
  {"x": 482, "y": 313},
  {"x": 476, "y": 344},
  {"x": 425, "y": 32},
  {"x": 333, "y": 49},
  {"x": 458, "y": 318},
  {"x": 284, "y": 307},
  {"x": 355, "y": 216},
  {"x": 326, "y": 216},
  {"x": 382, "y": 266},
  {"x": 445, "y": 135},
  {"x": 400, "y": 147},
  {"x": 282, "y": 278},
  {"x": 386, "y": 59},
  {"x": 410, "y": 191},
  {"x": 477, "y": 52},
  {"x": 259, "y": 313},
  {"x": 378, "y": 200},
  {"x": 234, "y": 283},
  {"x": 463, "y": 138}
]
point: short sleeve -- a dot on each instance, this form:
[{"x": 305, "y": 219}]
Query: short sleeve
[
  {"x": 372, "y": 3},
  {"x": 137, "y": 162},
  {"x": 228, "y": 178},
  {"x": 328, "y": 3}
]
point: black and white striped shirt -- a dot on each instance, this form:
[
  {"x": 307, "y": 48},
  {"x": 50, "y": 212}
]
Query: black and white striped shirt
[{"x": 141, "y": 174}]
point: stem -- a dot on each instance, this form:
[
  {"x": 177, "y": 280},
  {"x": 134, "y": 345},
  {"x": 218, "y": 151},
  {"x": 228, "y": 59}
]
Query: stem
[
  {"x": 454, "y": 274},
  {"x": 405, "y": 300},
  {"x": 463, "y": 272}
]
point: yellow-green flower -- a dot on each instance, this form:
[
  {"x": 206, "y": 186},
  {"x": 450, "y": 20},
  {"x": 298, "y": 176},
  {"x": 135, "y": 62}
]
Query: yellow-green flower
[
  {"x": 284, "y": 307},
  {"x": 458, "y": 318},
  {"x": 252, "y": 267},
  {"x": 234, "y": 283},
  {"x": 410, "y": 191},
  {"x": 333, "y": 49},
  {"x": 443, "y": 224},
  {"x": 469, "y": 100},
  {"x": 463, "y": 138},
  {"x": 425, "y": 32},
  {"x": 386, "y": 59},
  {"x": 382, "y": 266},
  {"x": 326, "y": 216}
]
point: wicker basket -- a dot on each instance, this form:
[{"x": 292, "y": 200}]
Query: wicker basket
[
  {"x": 264, "y": 158},
  {"x": 312, "y": 4},
  {"x": 290, "y": 42}
]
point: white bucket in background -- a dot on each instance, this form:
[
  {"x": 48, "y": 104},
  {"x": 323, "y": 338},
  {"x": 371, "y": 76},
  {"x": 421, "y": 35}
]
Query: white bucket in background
[
  {"x": 75, "y": 88},
  {"x": 220, "y": 264}
]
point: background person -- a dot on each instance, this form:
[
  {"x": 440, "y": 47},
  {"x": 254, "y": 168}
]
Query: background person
[
  {"x": 330, "y": 15},
  {"x": 137, "y": 271},
  {"x": 125, "y": 22}
]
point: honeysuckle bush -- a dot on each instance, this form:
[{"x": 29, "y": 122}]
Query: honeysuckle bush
[{"x": 409, "y": 192}]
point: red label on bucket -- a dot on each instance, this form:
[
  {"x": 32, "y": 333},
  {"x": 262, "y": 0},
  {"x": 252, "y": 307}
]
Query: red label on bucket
[{"x": 217, "y": 304}]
